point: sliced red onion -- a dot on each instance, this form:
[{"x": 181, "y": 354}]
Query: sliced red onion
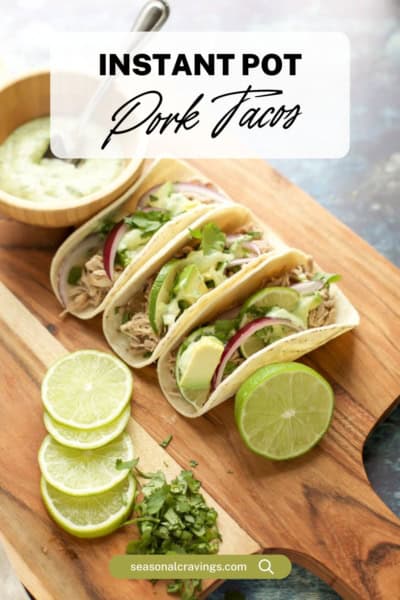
[
  {"x": 111, "y": 246},
  {"x": 252, "y": 246},
  {"x": 146, "y": 196},
  {"x": 75, "y": 257},
  {"x": 307, "y": 287},
  {"x": 201, "y": 189},
  {"x": 240, "y": 337},
  {"x": 186, "y": 187},
  {"x": 239, "y": 261},
  {"x": 249, "y": 245}
]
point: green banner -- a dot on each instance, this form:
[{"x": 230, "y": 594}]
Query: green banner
[{"x": 199, "y": 566}]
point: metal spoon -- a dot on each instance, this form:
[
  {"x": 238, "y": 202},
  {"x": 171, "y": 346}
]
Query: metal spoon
[{"x": 151, "y": 18}]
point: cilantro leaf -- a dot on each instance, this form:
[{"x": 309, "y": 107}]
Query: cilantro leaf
[
  {"x": 156, "y": 501},
  {"x": 126, "y": 316},
  {"x": 327, "y": 278},
  {"x": 120, "y": 465},
  {"x": 193, "y": 463},
  {"x": 254, "y": 235},
  {"x": 74, "y": 275},
  {"x": 225, "y": 328},
  {"x": 196, "y": 234},
  {"x": 105, "y": 227},
  {"x": 230, "y": 367},
  {"x": 167, "y": 441},
  {"x": 122, "y": 258},
  {"x": 211, "y": 238},
  {"x": 148, "y": 221}
]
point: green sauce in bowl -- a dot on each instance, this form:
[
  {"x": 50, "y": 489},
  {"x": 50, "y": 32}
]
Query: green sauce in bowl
[{"x": 25, "y": 173}]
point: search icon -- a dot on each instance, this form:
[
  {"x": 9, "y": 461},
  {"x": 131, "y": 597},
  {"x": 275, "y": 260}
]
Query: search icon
[{"x": 265, "y": 566}]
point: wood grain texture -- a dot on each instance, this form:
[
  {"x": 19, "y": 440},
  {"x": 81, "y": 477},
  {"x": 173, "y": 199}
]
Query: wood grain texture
[
  {"x": 44, "y": 555},
  {"x": 320, "y": 508}
]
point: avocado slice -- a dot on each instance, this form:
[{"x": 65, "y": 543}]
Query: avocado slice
[
  {"x": 190, "y": 285},
  {"x": 305, "y": 305},
  {"x": 196, "y": 365}
]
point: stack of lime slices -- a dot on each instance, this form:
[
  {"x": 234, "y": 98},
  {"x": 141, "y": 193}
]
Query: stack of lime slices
[{"x": 86, "y": 396}]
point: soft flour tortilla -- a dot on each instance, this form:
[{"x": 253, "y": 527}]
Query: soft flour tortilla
[
  {"x": 160, "y": 172},
  {"x": 229, "y": 219},
  {"x": 287, "y": 349}
]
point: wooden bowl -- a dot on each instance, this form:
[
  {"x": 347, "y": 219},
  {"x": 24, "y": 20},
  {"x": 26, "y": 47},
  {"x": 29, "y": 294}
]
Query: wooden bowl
[{"x": 27, "y": 98}]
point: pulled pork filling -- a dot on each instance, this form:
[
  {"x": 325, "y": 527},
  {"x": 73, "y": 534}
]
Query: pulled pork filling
[
  {"x": 135, "y": 320},
  {"x": 136, "y": 325},
  {"x": 92, "y": 286},
  {"x": 325, "y": 313}
]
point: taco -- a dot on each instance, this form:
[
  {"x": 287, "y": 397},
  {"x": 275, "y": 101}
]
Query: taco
[
  {"x": 99, "y": 257},
  {"x": 202, "y": 264},
  {"x": 285, "y": 308}
]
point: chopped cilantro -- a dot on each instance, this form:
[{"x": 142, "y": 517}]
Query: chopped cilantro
[
  {"x": 74, "y": 275},
  {"x": 105, "y": 227},
  {"x": 225, "y": 328},
  {"x": 256, "y": 311},
  {"x": 166, "y": 442},
  {"x": 193, "y": 463},
  {"x": 173, "y": 518},
  {"x": 230, "y": 367},
  {"x": 127, "y": 315},
  {"x": 120, "y": 465},
  {"x": 122, "y": 258}
]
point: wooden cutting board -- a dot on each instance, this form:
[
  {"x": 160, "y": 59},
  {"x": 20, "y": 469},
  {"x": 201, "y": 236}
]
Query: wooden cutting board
[{"x": 318, "y": 509}]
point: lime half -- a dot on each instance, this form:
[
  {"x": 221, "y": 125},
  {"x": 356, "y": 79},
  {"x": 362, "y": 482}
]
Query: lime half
[
  {"x": 87, "y": 439},
  {"x": 87, "y": 389},
  {"x": 84, "y": 472},
  {"x": 283, "y": 410},
  {"x": 90, "y": 516}
]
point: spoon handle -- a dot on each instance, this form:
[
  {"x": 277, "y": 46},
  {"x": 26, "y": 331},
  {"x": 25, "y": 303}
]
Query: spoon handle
[{"x": 152, "y": 16}]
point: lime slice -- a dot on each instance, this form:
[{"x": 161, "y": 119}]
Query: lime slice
[
  {"x": 160, "y": 293},
  {"x": 87, "y": 389},
  {"x": 90, "y": 516},
  {"x": 284, "y": 297},
  {"x": 84, "y": 472},
  {"x": 87, "y": 439},
  {"x": 283, "y": 410}
]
